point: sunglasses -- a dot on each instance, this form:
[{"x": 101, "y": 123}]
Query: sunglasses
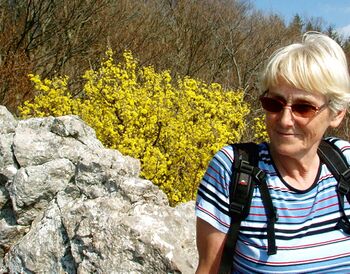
[{"x": 304, "y": 110}]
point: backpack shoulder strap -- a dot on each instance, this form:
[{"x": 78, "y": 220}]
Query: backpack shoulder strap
[
  {"x": 244, "y": 169},
  {"x": 245, "y": 175},
  {"x": 336, "y": 162}
]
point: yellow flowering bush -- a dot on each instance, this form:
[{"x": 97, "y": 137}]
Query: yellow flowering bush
[
  {"x": 174, "y": 126},
  {"x": 259, "y": 129},
  {"x": 53, "y": 98}
]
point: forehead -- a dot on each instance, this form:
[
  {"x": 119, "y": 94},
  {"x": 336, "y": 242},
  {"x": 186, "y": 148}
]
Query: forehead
[{"x": 292, "y": 93}]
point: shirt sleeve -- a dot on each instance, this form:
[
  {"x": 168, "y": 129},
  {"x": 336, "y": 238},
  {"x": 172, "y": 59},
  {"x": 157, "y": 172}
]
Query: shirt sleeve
[{"x": 213, "y": 192}]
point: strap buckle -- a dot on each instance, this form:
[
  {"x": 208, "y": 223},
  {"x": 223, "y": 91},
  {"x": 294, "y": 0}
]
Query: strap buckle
[
  {"x": 259, "y": 175},
  {"x": 245, "y": 167},
  {"x": 236, "y": 208}
]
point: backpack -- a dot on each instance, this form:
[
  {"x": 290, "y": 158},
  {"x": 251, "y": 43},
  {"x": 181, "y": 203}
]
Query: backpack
[{"x": 247, "y": 176}]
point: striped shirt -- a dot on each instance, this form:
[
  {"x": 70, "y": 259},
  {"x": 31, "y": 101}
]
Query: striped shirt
[{"x": 307, "y": 238}]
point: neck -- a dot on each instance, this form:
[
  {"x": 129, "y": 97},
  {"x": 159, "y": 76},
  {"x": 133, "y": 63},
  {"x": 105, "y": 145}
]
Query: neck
[{"x": 299, "y": 172}]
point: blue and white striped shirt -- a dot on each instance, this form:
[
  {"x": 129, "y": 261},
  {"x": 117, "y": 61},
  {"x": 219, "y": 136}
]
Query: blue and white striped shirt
[{"x": 307, "y": 238}]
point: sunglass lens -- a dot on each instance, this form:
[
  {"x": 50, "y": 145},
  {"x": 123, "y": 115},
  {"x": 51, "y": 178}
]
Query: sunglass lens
[
  {"x": 271, "y": 105},
  {"x": 304, "y": 110}
]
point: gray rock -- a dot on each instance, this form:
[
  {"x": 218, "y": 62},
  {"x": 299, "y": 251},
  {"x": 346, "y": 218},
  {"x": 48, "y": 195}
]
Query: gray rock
[
  {"x": 7, "y": 122},
  {"x": 34, "y": 187},
  {"x": 42, "y": 249},
  {"x": 107, "y": 235},
  {"x": 8, "y": 163},
  {"x": 4, "y": 195},
  {"x": 40, "y": 140},
  {"x": 10, "y": 233},
  {"x": 69, "y": 205},
  {"x": 74, "y": 127}
]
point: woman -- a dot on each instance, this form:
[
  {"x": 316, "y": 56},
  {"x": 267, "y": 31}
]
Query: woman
[{"x": 306, "y": 90}]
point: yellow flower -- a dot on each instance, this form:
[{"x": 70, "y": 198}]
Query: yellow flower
[{"x": 173, "y": 126}]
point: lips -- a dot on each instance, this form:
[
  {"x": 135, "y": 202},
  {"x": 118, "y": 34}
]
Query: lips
[{"x": 285, "y": 133}]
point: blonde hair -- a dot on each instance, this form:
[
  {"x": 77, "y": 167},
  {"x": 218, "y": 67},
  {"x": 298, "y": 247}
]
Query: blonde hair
[{"x": 317, "y": 64}]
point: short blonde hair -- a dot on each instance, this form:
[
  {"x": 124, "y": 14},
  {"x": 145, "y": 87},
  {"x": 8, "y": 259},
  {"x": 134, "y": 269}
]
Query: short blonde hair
[{"x": 317, "y": 64}]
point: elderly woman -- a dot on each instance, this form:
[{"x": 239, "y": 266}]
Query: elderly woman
[{"x": 305, "y": 91}]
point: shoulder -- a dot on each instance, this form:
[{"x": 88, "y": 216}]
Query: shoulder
[
  {"x": 225, "y": 156},
  {"x": 223, "y": 159},
  {"x": 343, "y": 145}
]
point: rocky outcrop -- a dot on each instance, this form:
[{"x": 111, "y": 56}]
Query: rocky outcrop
[{"x": 69, "y": 205}]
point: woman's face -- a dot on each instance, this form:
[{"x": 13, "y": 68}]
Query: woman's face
[{"x": 293, "y": 135}]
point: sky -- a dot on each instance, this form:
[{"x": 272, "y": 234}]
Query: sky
[{"x": 333, "y": 12}]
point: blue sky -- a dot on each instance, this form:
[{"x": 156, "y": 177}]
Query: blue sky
[{"x": 333, "y": 12}]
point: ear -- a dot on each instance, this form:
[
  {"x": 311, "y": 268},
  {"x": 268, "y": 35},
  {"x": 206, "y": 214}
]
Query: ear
[{"x": 336, "y": 118}]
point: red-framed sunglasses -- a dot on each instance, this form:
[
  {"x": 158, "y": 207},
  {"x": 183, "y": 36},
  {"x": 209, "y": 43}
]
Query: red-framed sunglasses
[{"x": 304, "y": 110}]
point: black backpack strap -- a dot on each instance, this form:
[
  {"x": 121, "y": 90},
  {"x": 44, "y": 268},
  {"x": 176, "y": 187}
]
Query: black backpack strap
[
  {"x": 335, "y": 160},
  {"x": 259, "y": 177},
  {"x": 245, "y": 175},
  {"x": 271, "y": 215}
]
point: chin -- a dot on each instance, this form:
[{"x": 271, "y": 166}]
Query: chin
[{"x": 287, "y": 148}]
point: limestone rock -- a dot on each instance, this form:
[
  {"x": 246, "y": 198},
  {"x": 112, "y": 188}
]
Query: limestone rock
[
  {"x": 7, "y": 122},
  {"x": 34, "y": 187},
  {"x": 69, "y": 205},
  {"x": 38, "y": 140}
]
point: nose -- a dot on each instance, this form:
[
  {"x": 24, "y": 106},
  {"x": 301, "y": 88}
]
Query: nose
[{"x": 286, "y": 118}]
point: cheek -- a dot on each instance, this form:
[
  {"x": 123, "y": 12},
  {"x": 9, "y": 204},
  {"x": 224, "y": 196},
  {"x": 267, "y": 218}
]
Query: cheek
[
  {"x": 270, "y": 123},
  {"x": 318, "y": 126},
  {"x": 270, "y": 120},
  {"x": 314, "y": 131}
]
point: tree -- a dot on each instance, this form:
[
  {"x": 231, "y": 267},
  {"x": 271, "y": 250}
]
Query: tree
[
  {"x": 332, "y": 33},
  {"x": 296, "y": 25},
  {"x": 46, "y": 36}
]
